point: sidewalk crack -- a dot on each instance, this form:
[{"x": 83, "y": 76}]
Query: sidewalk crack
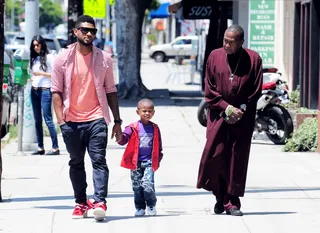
[{"x": 52, "y": 221}]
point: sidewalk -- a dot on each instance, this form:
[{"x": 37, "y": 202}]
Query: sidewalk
[{"x": 283, "y": 189}]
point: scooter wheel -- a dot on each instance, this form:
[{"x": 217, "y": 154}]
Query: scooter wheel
[{"x": 202, "y": 113}]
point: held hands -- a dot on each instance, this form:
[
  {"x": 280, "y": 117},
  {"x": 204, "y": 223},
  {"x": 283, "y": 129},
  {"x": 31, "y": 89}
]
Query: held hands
[
  {"x": 233, "y": 114},
  {"x": 117, "y": 132}
]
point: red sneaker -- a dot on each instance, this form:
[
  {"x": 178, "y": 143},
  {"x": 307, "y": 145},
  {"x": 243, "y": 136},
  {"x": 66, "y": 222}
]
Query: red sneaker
[
  {"x": 90, "y": 205},
  {"x": 80, "y": 211},
  {"x": 99, "y": 211}
]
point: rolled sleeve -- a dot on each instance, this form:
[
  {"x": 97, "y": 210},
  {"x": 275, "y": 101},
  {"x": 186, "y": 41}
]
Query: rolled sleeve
[
  {"x": 109, "y": 83},
  {"x": 57, "y": 76}
]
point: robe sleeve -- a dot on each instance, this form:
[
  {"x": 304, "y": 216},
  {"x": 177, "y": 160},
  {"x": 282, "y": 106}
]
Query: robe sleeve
[
  {"x": 212, "y": 96},
  {"x": 257, "y": 86}
]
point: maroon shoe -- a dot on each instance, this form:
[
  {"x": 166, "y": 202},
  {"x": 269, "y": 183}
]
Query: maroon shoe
[{"x": 234, "y": 212}]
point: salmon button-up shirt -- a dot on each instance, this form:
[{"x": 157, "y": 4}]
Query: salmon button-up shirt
[{"x": 103, "y": 77}]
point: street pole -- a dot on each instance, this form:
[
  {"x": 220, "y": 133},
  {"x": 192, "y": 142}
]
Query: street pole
[
  {"x": 108, "y": 21},
  {"x": 1, "y": 73},
  {"x": 20, "y": 119},
  {"x": 12, "y": 15},
  {"x": 114, "y": 31},
  {"x": 32, "y": 20},
  {"x": 27, "y": 140},
  {"x": 75, "y": 9}
]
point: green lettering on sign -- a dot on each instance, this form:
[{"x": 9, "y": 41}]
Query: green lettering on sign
[
  {"x": 261, "y": 32},
  {"x": 262, "y": 10},
  {"x": 266, "y": 52},
  {"x": 262, "y": 29},
  {"x": 95, "y": 8}
]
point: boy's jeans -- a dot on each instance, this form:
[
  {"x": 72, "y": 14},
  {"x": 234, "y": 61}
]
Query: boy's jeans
[{"x": 143, "y": 185}]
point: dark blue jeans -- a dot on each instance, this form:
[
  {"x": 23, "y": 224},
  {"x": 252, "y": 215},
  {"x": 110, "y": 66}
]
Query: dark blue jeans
[
  {"x": 91, "y": 136},
  {"x": 41, "y": 103},
  {"x": 143, "y": 185}
]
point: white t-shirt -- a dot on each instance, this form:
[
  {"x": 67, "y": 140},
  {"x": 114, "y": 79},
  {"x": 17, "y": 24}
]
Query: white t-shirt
[{"x": 39, "y": 80}]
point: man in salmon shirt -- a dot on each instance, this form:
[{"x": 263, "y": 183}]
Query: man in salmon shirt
[{"x": 83, "y": 91}]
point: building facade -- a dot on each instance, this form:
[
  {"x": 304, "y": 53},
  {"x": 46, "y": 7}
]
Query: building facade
[{"x": 306, "y": 51}]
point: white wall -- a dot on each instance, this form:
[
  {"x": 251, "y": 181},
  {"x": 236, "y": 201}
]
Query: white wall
[{"x": 284, "y": 38}]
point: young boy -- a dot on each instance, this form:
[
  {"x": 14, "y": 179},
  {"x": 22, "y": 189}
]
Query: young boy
[{"x": 142, "y": 155}]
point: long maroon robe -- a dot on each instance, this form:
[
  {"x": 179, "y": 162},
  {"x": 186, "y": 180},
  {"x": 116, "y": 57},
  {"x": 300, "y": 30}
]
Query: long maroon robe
[{"x": 224, "y": 162}]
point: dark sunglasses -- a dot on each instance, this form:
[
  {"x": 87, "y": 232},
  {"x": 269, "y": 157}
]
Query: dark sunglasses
[{"x": 83, "y": 30}]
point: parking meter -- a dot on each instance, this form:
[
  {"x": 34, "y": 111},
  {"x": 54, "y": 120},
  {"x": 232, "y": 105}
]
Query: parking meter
[
  {"x": 6, "y": 68},
  {"x": 21, "y": 63}
]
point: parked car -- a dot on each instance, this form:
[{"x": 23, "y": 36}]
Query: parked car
[
  {"x": 182, "y": 46},
  {"x": 18, "y": 43}
]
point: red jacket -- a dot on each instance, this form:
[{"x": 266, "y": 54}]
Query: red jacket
[{"x": 131, "y": 154}]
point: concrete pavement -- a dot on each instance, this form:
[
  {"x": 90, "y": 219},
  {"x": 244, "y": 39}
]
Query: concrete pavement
[{"x": 282, "y": 195}]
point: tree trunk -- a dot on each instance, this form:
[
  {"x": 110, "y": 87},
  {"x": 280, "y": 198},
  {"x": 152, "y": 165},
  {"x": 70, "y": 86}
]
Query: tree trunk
[
  {"x": 2, "y": 2},
  {"x": 129, "y": 16},
  {"x": 75, "y": 9}
]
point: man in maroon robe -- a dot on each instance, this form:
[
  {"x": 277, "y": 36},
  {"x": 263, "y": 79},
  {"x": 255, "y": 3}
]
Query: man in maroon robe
[{"x": 233, "y": 85}]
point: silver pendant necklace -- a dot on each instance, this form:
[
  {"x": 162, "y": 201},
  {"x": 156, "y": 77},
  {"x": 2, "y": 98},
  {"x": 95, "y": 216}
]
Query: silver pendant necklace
[
  {"x": 232, "y": 74},
  {"x": 85, "y": 75}
]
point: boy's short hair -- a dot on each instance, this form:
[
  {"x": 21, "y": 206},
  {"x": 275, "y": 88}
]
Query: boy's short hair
[
  {"x": 145, "y": 100},
  {"x": 85, "y": 19}
]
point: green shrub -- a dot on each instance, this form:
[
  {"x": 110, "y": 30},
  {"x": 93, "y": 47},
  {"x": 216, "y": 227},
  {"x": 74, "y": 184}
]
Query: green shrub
[
  {"x": 152, "y": 37},
  {"x": 307, "y": 110},
  {"x": 294, "y": 99},
  {"x": 13, "y": 130},
  {"x": 305, "y": 138}
]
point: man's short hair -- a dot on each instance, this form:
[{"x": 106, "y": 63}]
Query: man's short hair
[
  {"x": 238, "y": 29},
  {"x": 85, "y": 19}
]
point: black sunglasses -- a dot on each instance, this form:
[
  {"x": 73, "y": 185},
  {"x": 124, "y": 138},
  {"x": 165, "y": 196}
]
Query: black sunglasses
[{"x": 83, "y": 30}]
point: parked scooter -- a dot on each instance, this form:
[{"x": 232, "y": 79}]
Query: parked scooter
[{"x": 271, "y": 117}]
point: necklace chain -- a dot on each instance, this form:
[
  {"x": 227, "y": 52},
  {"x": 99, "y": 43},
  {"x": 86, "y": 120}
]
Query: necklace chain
[
  {"x": 83, "y": 76},
  {"x": 235, "y": 70}
]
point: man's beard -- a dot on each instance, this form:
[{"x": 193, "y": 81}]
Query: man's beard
[{"x": 84, "y": 43}]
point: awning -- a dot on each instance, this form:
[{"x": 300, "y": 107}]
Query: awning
[{"x": 161, "y": 12}]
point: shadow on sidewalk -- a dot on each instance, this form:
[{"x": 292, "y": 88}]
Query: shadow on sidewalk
[
  {"x": 279, "y": 190},
  {"x": 160, "y": 194},
  {"x": 175, "y": 98},
  {"x": 182, "y": 102},
  {"x": 268, "y": 213},
  {"x": 110, "y": 196}
]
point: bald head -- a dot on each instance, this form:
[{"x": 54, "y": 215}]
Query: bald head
[
  {"x": 145, "y": 102},
  {"x": 237, "y": 29}
]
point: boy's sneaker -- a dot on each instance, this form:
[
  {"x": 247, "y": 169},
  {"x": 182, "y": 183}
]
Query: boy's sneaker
[
  {"x": 80, "y": 211},
  {"x": 99, "y": 211},
  {"x": 140, "y": 212},
  {"x": 152, "y": 210}
]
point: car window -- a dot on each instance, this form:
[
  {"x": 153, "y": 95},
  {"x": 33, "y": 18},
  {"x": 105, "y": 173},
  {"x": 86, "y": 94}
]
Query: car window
[
  {"x": 63, "y": 43},
  {"x": 182, "y": 42},
  {"x": 51, "y": 45},
  {"x": 19, "y": 40}
]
